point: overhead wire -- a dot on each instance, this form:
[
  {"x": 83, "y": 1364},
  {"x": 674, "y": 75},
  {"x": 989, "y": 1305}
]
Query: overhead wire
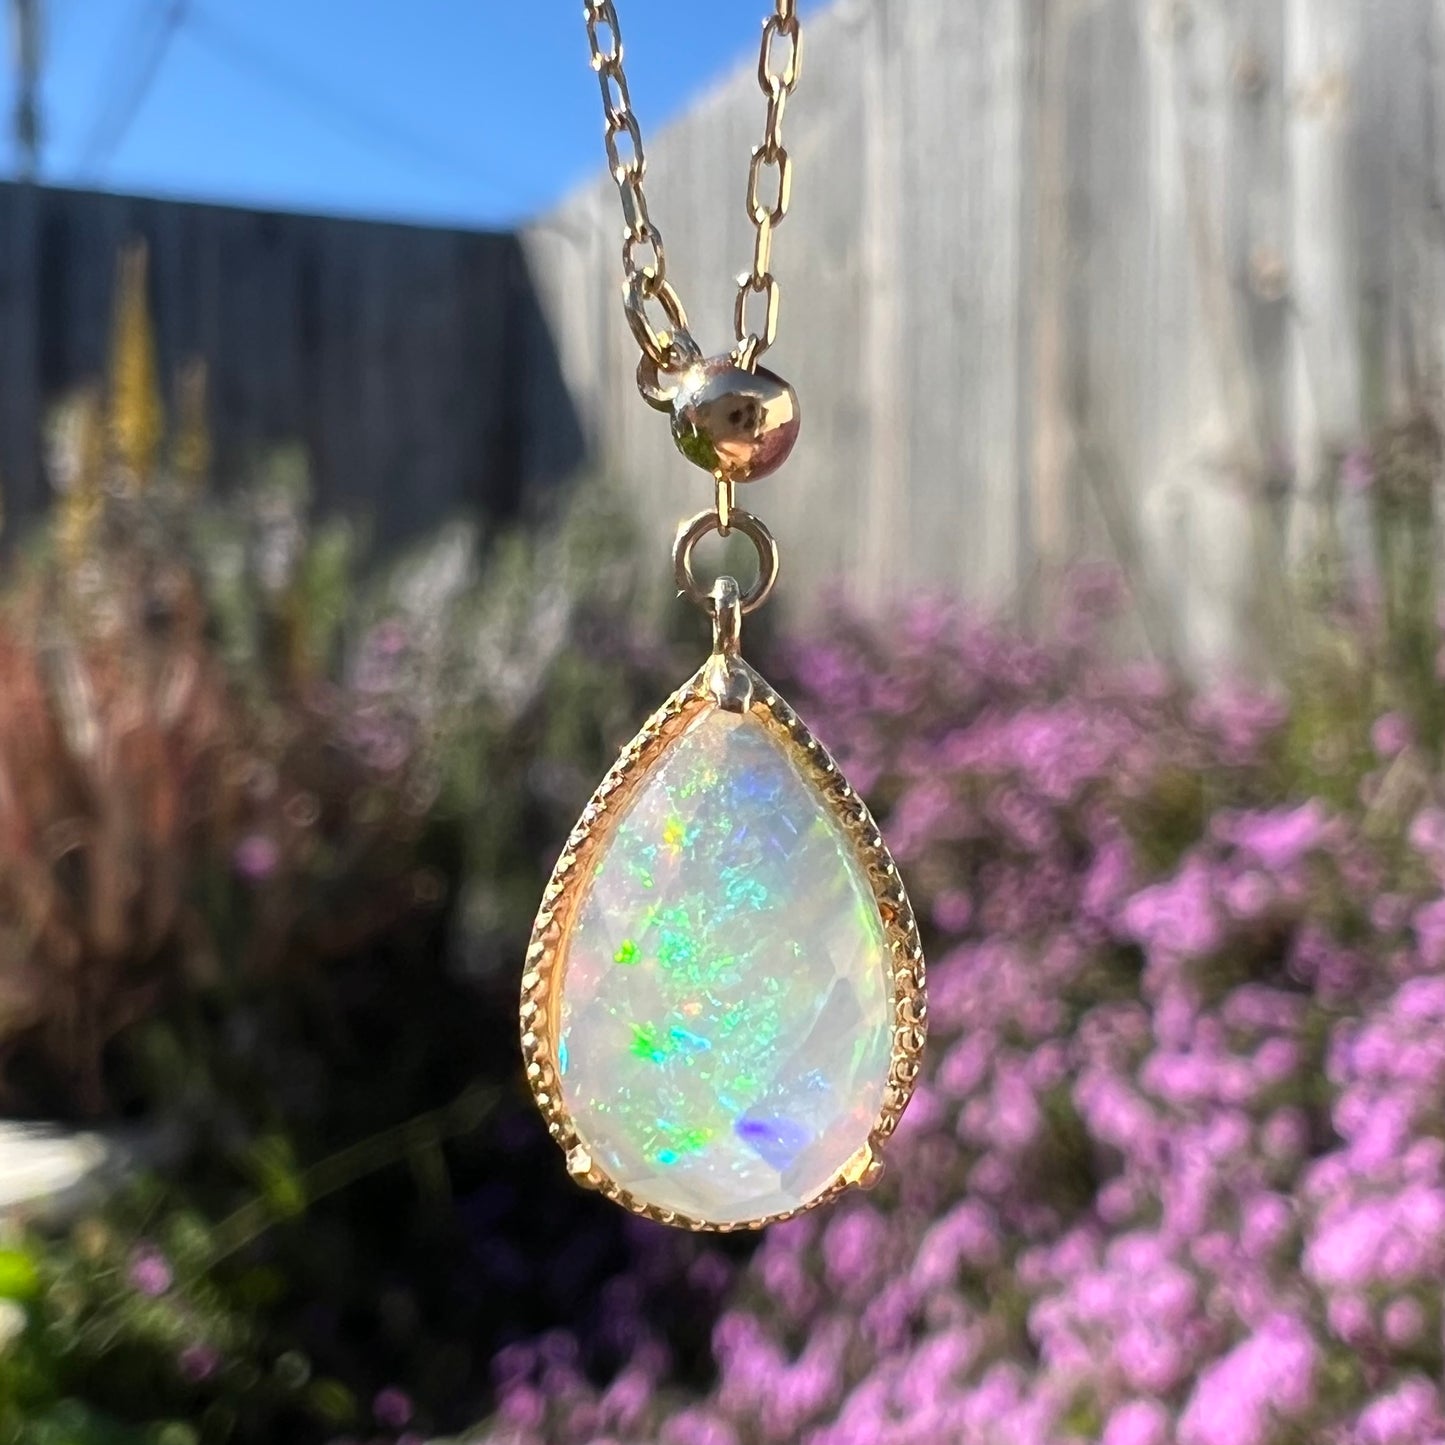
[
  {"x": 343, "y": 113},
  {"x": 114, "y": 121}
]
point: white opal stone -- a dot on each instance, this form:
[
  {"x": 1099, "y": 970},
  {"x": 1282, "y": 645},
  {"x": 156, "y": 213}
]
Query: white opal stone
[{"x": 726, "y": 1002}]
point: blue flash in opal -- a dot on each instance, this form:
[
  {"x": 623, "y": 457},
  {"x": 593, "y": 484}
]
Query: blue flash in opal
[
  {"x": 689, "y": 1041},
  {"x": 741, "y": 890},
  {"x": 779, "y": 1141}
]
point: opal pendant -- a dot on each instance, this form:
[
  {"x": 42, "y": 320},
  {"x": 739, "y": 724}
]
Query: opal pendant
[{"x": 723, "y": 1004}]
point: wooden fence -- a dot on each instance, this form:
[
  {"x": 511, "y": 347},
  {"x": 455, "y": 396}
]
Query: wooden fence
[
  {"x": 412, "y": 363},
  {"x": 1061, "y": 278}
]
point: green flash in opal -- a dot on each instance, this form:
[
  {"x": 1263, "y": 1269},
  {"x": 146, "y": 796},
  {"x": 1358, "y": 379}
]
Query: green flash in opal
[{"x": 646, "y": 1044}]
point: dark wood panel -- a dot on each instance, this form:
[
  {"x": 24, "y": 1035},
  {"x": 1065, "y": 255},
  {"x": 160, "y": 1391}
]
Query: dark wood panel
[{"x": 407, "y": 360}]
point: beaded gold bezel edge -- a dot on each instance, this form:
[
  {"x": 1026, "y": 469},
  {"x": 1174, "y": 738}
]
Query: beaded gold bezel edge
[{"x": 545, "y": 958}]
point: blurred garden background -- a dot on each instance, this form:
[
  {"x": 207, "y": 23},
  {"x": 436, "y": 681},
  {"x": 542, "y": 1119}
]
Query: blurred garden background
[{"x": 335, "y": 574}]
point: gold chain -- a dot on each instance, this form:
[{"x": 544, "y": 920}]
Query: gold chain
[
  {"x": 670, "y": 346},
  {"x": 771, "y": 167}
]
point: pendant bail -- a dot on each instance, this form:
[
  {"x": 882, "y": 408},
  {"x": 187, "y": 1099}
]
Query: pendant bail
[
  {"x": 726, "y": 605},
  {"x": 728, "y": 679}
]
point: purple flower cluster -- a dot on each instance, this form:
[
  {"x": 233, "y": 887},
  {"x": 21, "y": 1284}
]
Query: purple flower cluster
[{"x": 1176, "y": 1172}]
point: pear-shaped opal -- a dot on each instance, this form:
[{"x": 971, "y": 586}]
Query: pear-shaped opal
[{"x": 726, "y": 1006}]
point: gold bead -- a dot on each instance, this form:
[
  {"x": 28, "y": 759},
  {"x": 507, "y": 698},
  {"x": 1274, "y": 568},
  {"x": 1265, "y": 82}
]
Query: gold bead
[{"x": 739, "y": 425}]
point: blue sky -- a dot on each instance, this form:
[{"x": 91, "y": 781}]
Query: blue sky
[{"x": 477, "y": 112}]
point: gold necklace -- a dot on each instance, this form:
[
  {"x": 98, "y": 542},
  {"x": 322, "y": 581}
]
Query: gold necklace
[{"x": 723, "y": 1001}]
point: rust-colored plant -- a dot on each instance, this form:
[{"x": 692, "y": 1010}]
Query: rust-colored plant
[
  {"x": 162, "y": 825},
  {"x": 115, "y": 739}
]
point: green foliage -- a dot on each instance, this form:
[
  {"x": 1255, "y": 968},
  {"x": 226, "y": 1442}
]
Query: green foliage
[
  {"x": 517, "y": 674},
  {"x": 19, "y": 1279},
  {"x": 1367, "y": 640}
]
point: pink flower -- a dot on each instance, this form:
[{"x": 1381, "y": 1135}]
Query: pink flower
[
  {"x": 523, "y": 1406},
  {"x": 853, "y": 1246},
  {"x": 1427, "y": 834},
  {"x": 1357, "y": 471},
  {"x": 697, "y": 1427},
  {"x": 1140, "y": 1422},
  {"x": 1391, "y": 734},
  {"x": 256, "y": 857},
  {"x": 1403, "y": 1322},
  {"x": 1237, "y": 1399},
  {"x": 198, "y": 1363},
  {"x": 1266, "y": 1223},
  {"x": 1282, "y": 837},
  {"x": 1348, "y": 1316},
  {"x": 1177, "y": 916},
  {"x": 967, "y": 1237},
  {"x": 1429, "y": 924},
  {"x": 1248, "y": 895},
  {"x": 150, "y": 1273},
  {"x": 953, "y": 910},
  {"x": 1191, "y": 1198},
  {"x": 393, "y": 1408},
  {"x": 1408, "y": 1415},
  {"x": 1109, "y": 878}
]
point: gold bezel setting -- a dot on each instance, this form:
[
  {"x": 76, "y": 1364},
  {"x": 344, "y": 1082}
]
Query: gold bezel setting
[{"x": 545, "y": 961}]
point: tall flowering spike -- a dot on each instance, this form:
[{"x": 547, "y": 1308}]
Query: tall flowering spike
[
  {"x": 192, "y": 455},
  {"x": 80, "y": 474},
  {"x": 137, "y": 414}
]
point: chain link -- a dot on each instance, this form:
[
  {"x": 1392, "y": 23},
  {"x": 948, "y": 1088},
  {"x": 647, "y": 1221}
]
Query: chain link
[
  {"x": 770, "y": 184},
  {"x": 670, "y": 346},
  {"x": 644, "y": 258}
]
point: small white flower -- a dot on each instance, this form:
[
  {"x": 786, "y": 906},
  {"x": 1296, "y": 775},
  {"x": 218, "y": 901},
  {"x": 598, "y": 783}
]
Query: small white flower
[{"x": 13, "y": 1320}]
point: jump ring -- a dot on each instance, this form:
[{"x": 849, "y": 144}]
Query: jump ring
[
  {"x": 658, "y": 387},
  {"x": 691, "y": 532},
  {"x": 661, "y": 347}
]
